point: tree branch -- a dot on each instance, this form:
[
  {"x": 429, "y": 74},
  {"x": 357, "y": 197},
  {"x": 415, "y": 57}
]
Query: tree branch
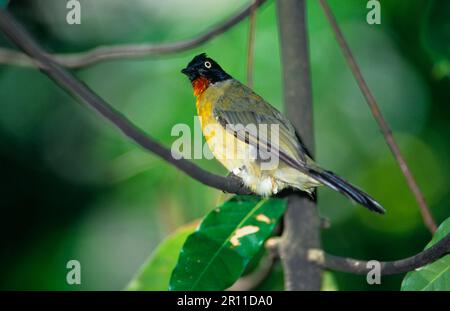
[
  {"x": 383, "y": 125},
  {"x": 301, "y": 222},
  {"x": 252, "y": 280},
  {"x": 84, "y": 94},
  {"x": 99, "y": 54},
  {"x": 355, "y": 266}
]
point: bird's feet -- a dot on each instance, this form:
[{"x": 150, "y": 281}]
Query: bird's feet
[{"x": 233, "y": 176}]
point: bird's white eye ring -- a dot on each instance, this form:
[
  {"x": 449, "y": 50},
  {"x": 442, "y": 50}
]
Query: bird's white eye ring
[{"x": 207, "y": 64}]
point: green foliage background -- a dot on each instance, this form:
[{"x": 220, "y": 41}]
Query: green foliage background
[{"x": 74, "y": 188}]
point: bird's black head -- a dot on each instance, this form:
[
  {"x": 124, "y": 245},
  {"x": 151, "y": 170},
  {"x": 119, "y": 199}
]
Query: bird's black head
[{"x": 203, "y": 66}]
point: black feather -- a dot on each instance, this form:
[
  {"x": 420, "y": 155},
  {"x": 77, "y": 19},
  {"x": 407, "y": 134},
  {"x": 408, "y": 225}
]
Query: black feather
[{"x": 337, "y": 183}]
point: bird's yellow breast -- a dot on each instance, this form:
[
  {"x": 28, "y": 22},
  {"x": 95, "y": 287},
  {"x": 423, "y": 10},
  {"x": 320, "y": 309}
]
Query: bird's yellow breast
[
  {"x": 226, "y": 148},
  {"x": 206, "y": 117}
]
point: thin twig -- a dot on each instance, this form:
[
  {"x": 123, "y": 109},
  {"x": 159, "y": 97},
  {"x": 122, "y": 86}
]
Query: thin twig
[
  {"x": 376, "y": 112},
  {"x": 252, "y": 280},
  {"x": 84, "y": 94},
  {"x": 251, "y": 44},
  {"x": 355, "y": 266},
  {"x": 255, "y": 278},
  {"x": 99, "y": 54}
]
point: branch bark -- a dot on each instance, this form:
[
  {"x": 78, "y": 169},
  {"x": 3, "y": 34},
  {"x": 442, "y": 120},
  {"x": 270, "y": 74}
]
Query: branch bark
[
  {"x": 383, "y": 125},
  {"x": 99, "y": 54},
  {"x": 85, "y": 95},
  {"x": 301, "y": 222},
  {"x": 356, "y": 266}
]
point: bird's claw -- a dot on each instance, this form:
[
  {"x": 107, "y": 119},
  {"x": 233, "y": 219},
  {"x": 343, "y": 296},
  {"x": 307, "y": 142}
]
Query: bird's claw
[{"x": 233, "y": 176}]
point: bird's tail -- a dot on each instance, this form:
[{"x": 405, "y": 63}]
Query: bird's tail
[{"x": 337, "y": 183}]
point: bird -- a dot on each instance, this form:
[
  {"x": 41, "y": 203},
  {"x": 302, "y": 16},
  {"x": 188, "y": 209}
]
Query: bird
[{"x": 254, "y": 141}]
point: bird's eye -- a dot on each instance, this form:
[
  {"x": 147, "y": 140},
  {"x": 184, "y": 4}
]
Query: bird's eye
[{"x": 207, "y": 64}]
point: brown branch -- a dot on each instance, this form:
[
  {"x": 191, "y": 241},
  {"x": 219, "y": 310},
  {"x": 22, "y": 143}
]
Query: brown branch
[
  {"x": 251, "y": 44},
  {"x": 301, "y": 222},
  {"x": 99, "y": 54},
  {"x": 12, "y": 57},
  {"x": 252, "y": 280},
  {"x": 84, "y": 94},
  {"x": 355, "y": 266},
  {"x": 255, "y": 278},
  {"x": 383, "y": 125}
]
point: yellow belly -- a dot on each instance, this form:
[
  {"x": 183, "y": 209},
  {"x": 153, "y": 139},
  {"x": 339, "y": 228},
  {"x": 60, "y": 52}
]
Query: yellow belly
[{"x": 227, "y": 149}]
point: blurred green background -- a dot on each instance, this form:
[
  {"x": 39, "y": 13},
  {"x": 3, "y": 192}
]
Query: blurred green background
[{"x": 72, "y": 187}]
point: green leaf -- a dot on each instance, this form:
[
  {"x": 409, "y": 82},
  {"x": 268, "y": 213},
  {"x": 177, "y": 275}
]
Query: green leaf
[
  {"x": 435, "y": 276},
  {"x": 328, "y": 282},
  {"x": 155, "y": 273},
  {"x": 217, "y": 253}
]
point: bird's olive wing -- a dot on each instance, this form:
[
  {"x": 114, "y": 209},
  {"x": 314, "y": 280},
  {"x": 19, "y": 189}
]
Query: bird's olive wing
[{"x": 249, "y": 118}]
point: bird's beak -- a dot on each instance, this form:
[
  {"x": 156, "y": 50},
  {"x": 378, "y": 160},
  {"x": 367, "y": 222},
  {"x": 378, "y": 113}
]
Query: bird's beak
[
  {"x": 186, "y": 71},
  {"x": 190, "y": 73}
]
